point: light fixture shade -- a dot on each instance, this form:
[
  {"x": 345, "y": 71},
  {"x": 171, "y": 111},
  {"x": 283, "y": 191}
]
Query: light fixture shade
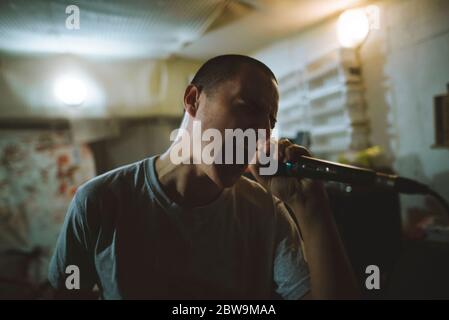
[{"x": 352, "y": 28}]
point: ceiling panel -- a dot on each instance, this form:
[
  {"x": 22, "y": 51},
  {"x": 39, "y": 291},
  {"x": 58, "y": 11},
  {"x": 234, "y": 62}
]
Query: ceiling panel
[
  {"x": 108, "y": 28},
  {"x": 195, "y": 29}
]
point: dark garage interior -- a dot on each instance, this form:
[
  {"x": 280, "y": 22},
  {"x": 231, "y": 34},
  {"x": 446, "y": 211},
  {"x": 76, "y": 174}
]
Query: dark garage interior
[{"x": 90, "y": 86}]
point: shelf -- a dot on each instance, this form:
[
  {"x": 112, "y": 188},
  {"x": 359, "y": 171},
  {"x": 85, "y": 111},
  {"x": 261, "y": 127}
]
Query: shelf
[
  {"x": 323, "y": 111},
  {"x": 321, "y": 72},
  {"x": 325, "y": 97},
  {"x": 290, "y": 81},
  {"x": 291, "y": 121},
  {"x": 291, "y": 102},
  {"x": 325, "y": 92},
  {"x": 341, "y": 69},
  {"x": 330, "y": 130},
  {"x": 329, "y": 149}
]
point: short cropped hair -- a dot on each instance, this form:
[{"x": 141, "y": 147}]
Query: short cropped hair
[{"x": 224, "y": 67}]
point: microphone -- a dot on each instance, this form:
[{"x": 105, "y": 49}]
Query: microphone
[{"x": 308, "y": 167}]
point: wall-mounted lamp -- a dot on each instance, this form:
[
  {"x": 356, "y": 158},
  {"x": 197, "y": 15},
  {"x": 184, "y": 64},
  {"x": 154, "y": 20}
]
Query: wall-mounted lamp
[
  {"x": 353, "y": 27},
  {"x": 70, "y": 90}
]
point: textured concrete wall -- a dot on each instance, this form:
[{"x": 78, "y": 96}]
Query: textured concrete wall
[
  {"x": 40, "y": 171},
  {"x": 138, "y": 139},
  {"x": 115, "y": 88}
]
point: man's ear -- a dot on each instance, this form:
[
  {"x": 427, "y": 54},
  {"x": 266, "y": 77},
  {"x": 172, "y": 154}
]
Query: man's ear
[{"x": 191, "y": 99}]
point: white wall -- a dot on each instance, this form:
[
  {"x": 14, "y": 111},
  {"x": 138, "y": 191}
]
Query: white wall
[
  {"x": 405, "y": 64},
  {"x": 140, "y": 87}
]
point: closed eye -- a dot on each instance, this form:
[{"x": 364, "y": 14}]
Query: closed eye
[
  {"x": 254, "y": 109},
  {"x": 272, "y": 122}
]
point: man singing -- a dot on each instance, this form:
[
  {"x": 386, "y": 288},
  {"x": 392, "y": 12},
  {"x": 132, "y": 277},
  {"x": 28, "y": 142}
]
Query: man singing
[{"x": 157, "y": 229}]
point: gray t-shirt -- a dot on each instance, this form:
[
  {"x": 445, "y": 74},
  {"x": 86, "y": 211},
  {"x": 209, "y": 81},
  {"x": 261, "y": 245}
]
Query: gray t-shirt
[{"x": 126, "y": 236}]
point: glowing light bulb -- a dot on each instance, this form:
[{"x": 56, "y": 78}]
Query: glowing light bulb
[
  {"x": 352, "y": 28},
  {"x": 70, "y": 90}
]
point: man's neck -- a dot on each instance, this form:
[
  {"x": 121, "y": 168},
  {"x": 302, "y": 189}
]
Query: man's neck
[{"x": 185, "y": 184}]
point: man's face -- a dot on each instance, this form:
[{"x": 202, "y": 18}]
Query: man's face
[{"x": 248, "y": 101}]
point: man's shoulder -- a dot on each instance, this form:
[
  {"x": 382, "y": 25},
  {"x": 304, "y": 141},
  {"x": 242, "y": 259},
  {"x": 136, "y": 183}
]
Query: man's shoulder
[
  {"x": 245, "y": 183},
  {"x": 113, "y": 182},
  {"x": 256, "y": 202},
  {"x": 259, "y": 198},
  {"x": 254, "y": 193}
]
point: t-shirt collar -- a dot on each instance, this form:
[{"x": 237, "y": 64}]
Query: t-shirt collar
[{"x": 170, "y": 205}]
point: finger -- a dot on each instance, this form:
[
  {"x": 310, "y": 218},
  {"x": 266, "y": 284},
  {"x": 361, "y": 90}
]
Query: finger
[
  {"x": 283, "y": 144},
  {"x": 294, "y": 152},
  {"x": 265, "y": 148}
]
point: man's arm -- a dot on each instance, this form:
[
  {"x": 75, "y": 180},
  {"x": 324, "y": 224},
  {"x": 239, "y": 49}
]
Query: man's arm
[
  {"x": 330, "y": 271},
  {"x": 72, "y": 249},
  {"x": 331, "y": 275}
]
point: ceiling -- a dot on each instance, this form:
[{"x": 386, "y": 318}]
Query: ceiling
[
  {"x": 268, "y": 21},
  {"x": 107, "y": 28},
  {"x": 194, "y": 29}
]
